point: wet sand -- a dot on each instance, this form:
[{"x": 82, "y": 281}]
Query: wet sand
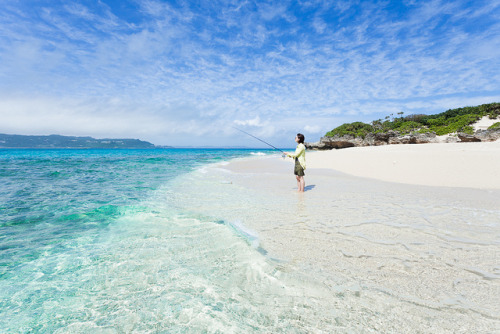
[{"x": 393, "y": 257}]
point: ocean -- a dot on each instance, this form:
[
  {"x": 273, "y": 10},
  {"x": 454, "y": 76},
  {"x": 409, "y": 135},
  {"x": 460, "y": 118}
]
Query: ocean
[
  {"x": 94, "y": 241},
  {"x": 219, "y": 241}
]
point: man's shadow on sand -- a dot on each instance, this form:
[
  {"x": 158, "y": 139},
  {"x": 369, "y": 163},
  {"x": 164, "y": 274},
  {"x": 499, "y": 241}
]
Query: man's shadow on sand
[{"x": 309, "y": 187}]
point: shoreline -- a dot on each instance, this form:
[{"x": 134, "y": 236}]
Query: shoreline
[
  {"x": 421, "y": 255},
  {"x": 386, "y": 256},
  {"x": 474, "y": 165}
]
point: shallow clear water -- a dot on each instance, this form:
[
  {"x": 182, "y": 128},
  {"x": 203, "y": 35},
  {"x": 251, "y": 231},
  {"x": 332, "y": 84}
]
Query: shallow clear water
[
  {"x": 392, "y": 258},
  {"x": 170, "y": 241},
  {"x": 90, "y": 242}
]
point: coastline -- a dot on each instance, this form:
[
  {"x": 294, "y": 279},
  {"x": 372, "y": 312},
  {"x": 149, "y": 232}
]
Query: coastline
[{"x": 414, "y": 257}]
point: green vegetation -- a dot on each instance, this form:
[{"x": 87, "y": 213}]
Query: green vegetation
[
  {"x": 494, "y": 126},
  {"x": 450, "y": 121},
  {"x": 356, "y": 129},
  {"x": 442, "y": 125}
]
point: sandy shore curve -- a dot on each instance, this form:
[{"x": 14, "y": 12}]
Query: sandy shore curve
[{"x": 392, "y": 257}]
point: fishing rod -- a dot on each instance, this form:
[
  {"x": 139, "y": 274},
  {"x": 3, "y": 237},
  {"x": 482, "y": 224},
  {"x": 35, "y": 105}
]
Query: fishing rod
[{"x": 258, "y": 139}]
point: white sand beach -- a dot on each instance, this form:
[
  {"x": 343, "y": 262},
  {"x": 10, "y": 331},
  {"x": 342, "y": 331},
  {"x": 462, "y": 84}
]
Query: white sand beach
[
  {"x": 400, "y": 238},
  {"x": 474, "y": 165}
]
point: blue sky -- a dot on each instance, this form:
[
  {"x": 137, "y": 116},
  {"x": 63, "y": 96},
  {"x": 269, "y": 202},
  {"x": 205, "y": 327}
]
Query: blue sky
[{"x": 185, "y": 72}]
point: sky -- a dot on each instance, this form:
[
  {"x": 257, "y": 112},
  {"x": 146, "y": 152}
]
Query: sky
[{"x": 185, "y": 73}]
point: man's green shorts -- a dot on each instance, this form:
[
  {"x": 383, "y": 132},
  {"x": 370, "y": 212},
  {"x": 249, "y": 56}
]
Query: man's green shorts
[{"x": 298, "y": 170}]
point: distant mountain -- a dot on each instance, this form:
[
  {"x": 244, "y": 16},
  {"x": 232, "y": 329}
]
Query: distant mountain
[{"x": 57, "y": 141}]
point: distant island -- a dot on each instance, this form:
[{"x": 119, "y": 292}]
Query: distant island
[{"x": 58, "y": 141}]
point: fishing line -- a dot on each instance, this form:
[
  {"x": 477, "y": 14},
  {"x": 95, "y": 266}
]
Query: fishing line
[{"x": 259, "y": 139}]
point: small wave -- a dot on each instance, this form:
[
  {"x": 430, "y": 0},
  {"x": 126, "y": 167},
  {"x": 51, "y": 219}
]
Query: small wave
[
  {"x": 247, "y": 233},
  {"x": 257, "y": 153},
  {"x": 203, "y": 170}
]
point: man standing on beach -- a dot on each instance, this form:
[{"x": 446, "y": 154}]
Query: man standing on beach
[{"x": 300, "y": 161}]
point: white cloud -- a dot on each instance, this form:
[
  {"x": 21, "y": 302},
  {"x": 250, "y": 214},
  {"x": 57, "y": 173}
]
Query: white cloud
[
  {"x": 98, "y": 118},
  {"x": 319, "y": 25},
  {"x": 250, "y": 122},
  {"x": 198, "y": 70},
  {"x": 313, "y": 129}
]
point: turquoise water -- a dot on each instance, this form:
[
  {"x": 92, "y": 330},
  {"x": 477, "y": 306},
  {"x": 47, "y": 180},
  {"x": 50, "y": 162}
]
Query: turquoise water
[
  {"x": 90, "y": 243},
  {"x": 180, "y": 241}
]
